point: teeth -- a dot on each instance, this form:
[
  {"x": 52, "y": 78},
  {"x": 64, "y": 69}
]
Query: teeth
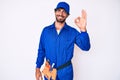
[{"x": 60, "y": 17}]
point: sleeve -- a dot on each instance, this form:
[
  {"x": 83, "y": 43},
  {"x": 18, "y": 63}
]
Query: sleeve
[
  {"x": 83, "y": 41},
  {"x": 41, "y": 51}
]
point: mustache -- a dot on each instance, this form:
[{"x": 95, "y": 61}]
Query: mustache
[{"x": 60, "y": 16}]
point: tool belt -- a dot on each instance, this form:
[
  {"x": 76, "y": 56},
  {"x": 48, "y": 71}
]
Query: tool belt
[
  {"x": 64, "y": 65},
  {"x": 50, "y": 73}
]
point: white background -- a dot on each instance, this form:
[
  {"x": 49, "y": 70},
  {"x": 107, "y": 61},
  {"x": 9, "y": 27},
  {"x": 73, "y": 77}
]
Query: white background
[{"x": 21, "y": 23}]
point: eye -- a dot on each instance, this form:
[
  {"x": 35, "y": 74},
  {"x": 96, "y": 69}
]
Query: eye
[
  {"x": 64, "y": 11},
  {"x": 59, "y": 10}
]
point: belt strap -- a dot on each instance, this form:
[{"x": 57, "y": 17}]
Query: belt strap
[{"x": 64, "y": 65}]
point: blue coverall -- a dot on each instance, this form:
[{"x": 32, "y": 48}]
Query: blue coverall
[{"x": 58, "y": 48}]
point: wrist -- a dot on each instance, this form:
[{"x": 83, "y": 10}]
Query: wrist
[
  {"x": 37, "y": 69},
  {"x": 83, "y": 29}
]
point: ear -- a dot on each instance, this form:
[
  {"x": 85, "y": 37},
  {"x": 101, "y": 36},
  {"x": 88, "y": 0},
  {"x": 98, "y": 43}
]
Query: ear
[{"x": 55, "y": 10}]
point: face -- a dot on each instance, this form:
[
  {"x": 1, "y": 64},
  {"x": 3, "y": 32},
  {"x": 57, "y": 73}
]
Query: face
[{"x": 61, "y": 15}]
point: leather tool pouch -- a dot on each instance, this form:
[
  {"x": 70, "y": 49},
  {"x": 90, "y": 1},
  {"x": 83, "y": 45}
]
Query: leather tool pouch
[{"x": 49, "y": 72}]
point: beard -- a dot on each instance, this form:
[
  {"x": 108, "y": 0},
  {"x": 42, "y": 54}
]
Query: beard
[{"x": 60, "y": 20}]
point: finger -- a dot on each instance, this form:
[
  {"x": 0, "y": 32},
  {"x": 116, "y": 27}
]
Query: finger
[
  {"x": 77, "y": 19},
  {"x": 84, "y": 14},
  {"x": 41, "y": 78},
  {"x": 37, "y": 78}
]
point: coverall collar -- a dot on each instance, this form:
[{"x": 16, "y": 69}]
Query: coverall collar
[{"x": 65, "y": 26}]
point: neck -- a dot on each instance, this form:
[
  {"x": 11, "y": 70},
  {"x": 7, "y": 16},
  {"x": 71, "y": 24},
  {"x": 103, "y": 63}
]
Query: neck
[{"x": 59, "y": 25}]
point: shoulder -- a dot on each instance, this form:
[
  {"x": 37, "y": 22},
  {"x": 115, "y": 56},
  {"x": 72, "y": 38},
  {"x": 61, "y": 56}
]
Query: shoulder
[{"x": 48, "y": 27}]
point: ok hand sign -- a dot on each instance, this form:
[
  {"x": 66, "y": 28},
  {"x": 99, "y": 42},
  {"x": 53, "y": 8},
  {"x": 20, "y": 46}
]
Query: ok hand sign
[{"x": 81, "y": 22}]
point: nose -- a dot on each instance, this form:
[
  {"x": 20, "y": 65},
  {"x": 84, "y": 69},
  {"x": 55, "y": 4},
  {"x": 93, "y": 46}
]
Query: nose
[{"x": 61, "y": 12}]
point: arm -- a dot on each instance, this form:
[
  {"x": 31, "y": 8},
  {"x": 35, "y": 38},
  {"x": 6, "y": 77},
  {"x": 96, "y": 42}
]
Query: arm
[
  {"x": 40, "y": 57},
  {"x": 82, "y": 39}
]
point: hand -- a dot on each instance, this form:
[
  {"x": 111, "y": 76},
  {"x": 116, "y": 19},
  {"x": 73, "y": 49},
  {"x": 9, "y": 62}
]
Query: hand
[
  {"x": 81, "y": 22},
  {"x": 38, "y": 74}
]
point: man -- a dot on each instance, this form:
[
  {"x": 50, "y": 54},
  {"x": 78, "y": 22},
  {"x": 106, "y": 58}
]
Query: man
[{"x": 57, "y": 42}]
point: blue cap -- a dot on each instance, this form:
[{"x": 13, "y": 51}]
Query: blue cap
[{"x": 63, "y": 5}]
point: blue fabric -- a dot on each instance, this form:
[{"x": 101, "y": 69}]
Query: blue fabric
[
  {"x": 59, "y": 48},
  {"x": 64, "y": 5}
]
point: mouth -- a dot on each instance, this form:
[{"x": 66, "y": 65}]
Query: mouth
[{"x": 60, "y": 17}]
